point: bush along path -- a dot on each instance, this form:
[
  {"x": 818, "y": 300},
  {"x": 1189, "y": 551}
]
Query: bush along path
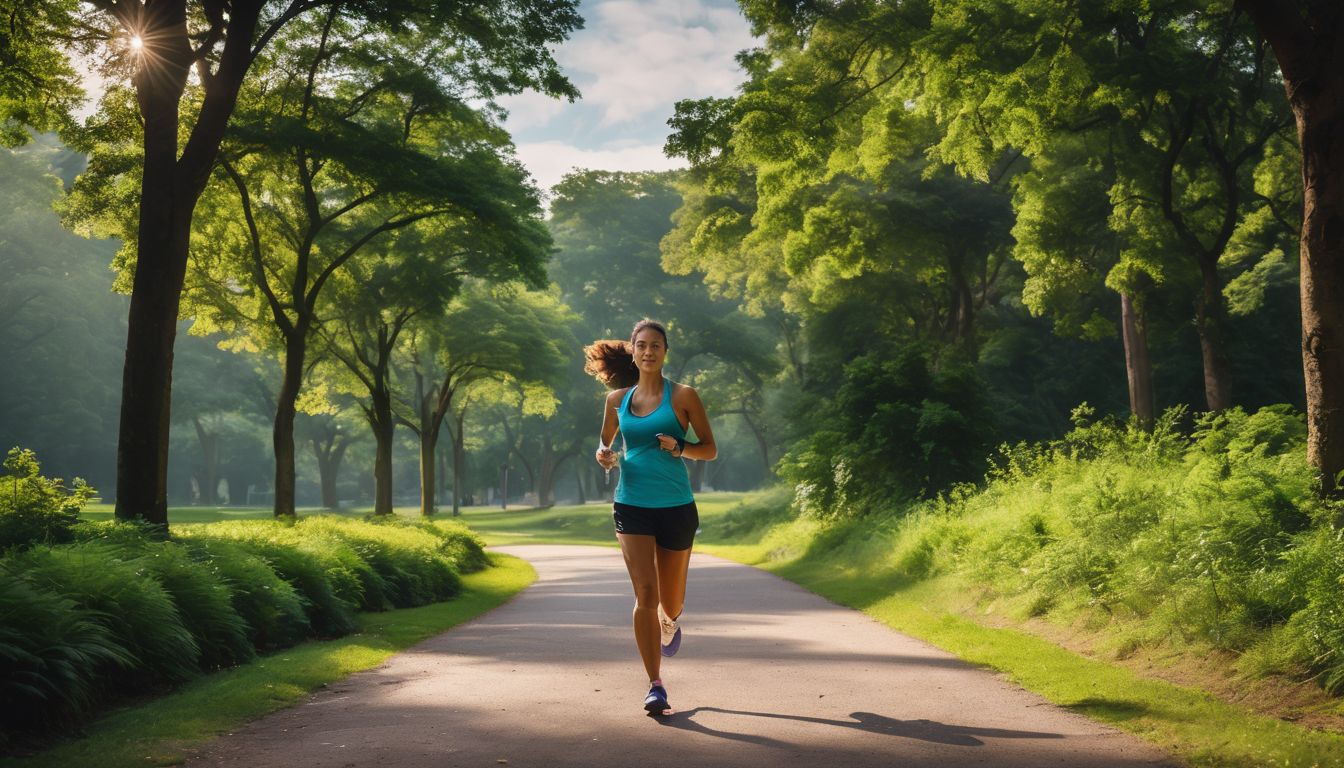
[
  {"x": 768, "y": 674},
  {"x": 98, "y": 614}
]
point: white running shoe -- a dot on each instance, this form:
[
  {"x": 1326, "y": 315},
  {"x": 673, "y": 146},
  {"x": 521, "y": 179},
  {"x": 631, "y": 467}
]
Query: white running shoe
[{"x": 671, "y": 641}]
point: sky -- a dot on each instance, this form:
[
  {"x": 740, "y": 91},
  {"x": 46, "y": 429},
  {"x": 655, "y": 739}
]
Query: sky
[{"x": 632, "y": 61}]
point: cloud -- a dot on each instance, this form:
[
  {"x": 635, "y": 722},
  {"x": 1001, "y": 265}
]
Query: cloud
[
  {"x": 636, "y": 58},
  {"x": 530, "y": 110},
  {"x": 549, "y": 161}
]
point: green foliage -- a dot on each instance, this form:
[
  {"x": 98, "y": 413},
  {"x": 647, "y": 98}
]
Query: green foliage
[
  {"x": 123, "y": 611},
  {"x": 272, "y": 609},
  {"x": 1212, "y": 535},
  {"x": 140, "y": 614},
  {"x": 52, "y": 653},
  {"x": 459, "y": 543},
  {"x": 35, "y": 509},
  {"x": 406, "y": 557},
  {"x": 898, "y": 427},
  {"x": 316, "y": 567}
]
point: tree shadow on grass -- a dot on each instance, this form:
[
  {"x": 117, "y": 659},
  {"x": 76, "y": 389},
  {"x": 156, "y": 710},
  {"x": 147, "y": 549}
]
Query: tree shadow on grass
[{"x": 869, "y": 722}]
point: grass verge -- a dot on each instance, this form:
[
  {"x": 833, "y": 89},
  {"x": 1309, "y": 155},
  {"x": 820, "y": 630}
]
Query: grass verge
[{"x": 163, "y": 731}]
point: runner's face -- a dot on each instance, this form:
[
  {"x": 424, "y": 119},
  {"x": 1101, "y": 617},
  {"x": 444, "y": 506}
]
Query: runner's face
[{"x": 650, "y": 350}]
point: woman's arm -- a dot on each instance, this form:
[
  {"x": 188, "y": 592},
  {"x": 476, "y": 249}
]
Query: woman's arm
[
  {"x": 687, "y": 400},
  {"x": 610, "y": 424}
]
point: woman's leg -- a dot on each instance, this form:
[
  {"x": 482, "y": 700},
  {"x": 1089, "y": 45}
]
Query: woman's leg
[
  {"x": 641, "y": 563},
  {"x": 672, "y": 567}
]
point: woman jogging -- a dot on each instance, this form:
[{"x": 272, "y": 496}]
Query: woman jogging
[{"x": 655, "y": 513}]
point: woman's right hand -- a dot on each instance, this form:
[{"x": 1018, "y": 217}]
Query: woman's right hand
[{"x": 606, "y": 457}]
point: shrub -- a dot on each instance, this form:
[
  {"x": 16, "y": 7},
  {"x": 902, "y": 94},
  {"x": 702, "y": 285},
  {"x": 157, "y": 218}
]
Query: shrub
[
  {"x": 1212, "y": 534},
  {"x": 138, "y": 612},
  {"x": 35, "y": 509},
  {"x": 898, "y": 428},
  {"x": 315, "y": 566},
  {"x": 272, "y": 610},
  {"x": 52, "y": 652},
  {"x": 459, "y": 544},
  {"x": 406, "y": 556},
  {"x": 204, "y": 601}
]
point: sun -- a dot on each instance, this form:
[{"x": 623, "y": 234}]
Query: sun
[{"x": 136, "y": 43}]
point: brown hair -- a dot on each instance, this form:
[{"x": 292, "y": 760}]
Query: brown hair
[{"x": 612, "y": 361}]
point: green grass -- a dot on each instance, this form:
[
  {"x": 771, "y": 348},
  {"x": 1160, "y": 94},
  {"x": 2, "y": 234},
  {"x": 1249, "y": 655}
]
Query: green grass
[
  {"x": 579, "y": 524},
  {"x": 162, "y": 731}
]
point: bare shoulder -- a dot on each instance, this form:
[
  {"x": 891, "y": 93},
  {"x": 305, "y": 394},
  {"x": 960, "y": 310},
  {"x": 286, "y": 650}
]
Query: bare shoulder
[
  {"x": 685, "y": 395},
  {"x": 615, "y": 395}
]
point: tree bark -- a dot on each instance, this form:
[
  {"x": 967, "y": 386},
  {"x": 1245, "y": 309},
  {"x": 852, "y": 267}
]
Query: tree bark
[
  {"x": 697, "y": 473},
  {"x": 329, "y": 457},
  {"x": 282, "y": 432},
  {"x": 169, "y": 190},
  {"x": 161, "y": 261},
  {"x": 209, "y": 478},
  {"x": 459, "y": 463},
  {"x": 1310, "y": 53},
  {"x": 1212, "y": 342},
  {"x": 380, "y": 420},
  {"x": 444, "y": 489},
  {"x": 427, "y": 472},
  {"x": 1138, "y": 364}
]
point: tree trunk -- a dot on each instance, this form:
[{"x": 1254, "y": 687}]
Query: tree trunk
[
  {"x": 1321, "y": 131},
  {"x": 1138, "y": 364},
  {"x": 578, "y": 480},
  {"x": 380, "y": 419},
  {"x": 282, "y": 433},
  {"x": 1311, "y": 58},
  {"x": 697, "y": 472},
  {"x": 169, "y": 189},
  {"x": 1212, "y": 342},
  {"x": 962, "y": 310},
  {"x": 427, "y": 467},
  {"x": 161, "y": 262},
  {"x": 209, "y": 478},
  {"x": 327, "y": 475},
  {"x": 762, "y": 444},
  {"x": 445, "y": 489},
  {"x": 329, "y": 458},
  {"x": 459, "y": 464}
]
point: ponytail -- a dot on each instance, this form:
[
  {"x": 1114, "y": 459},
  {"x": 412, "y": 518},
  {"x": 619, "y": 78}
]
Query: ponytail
[{"x": 612, "y": 362}]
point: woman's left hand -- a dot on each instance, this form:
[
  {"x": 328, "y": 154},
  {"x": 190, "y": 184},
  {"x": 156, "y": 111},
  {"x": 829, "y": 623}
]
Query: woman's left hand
[{"x": 668, "y": 443}]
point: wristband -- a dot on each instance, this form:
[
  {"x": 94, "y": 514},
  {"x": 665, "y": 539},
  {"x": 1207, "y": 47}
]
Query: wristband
[{"x": 681, "y": 447}]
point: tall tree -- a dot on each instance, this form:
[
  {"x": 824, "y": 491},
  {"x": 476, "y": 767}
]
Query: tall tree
[
  {"x": 487, "y": 335},
  {"x": 503, "y": 44},
  {"x": 341, "y": 140},
  {"x": 1307, "y": 37}
]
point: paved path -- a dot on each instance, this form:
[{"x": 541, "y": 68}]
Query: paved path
[{"x": 768, "y": 675}]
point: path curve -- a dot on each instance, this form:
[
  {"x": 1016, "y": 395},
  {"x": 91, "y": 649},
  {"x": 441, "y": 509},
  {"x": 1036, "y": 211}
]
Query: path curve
[{"x": 769, "y": 675}]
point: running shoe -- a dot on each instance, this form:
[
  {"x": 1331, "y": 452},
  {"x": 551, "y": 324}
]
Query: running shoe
[
  {"x": 656, "y": 702},
  {"x": 671, "y": 633}
]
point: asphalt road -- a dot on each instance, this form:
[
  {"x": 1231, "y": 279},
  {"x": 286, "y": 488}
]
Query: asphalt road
[{"x": 769, "y": 675}]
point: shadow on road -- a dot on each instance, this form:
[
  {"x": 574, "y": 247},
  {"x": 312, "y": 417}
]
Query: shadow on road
[{"x": 870, "y": 722}]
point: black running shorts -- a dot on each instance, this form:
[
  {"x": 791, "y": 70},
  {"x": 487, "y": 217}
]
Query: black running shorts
[{"x": 671, "y": 527}]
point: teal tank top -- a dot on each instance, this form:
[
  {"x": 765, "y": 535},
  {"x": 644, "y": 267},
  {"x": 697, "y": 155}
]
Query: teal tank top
[{"x": 650, "y": 476}]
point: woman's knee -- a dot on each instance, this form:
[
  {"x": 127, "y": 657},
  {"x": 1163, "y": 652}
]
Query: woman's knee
[{"x": 646, "y": 595}]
